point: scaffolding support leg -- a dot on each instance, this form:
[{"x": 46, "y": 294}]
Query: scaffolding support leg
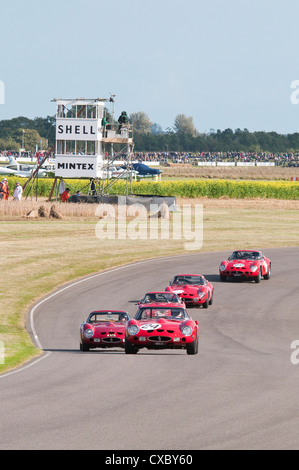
[{"x": 52, "y": 189}]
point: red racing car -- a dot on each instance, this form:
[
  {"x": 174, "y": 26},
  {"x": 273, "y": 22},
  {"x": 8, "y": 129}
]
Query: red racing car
[
  {"x": 164, "y": 326},
  {"x": 103, "y": 329},
  {"x": 193, "y": 289},
  {"x": 246, "y": 264}
]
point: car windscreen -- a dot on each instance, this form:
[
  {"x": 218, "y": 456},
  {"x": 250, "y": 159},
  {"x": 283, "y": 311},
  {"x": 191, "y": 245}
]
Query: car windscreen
[
  {"x": 107, "y": 317},
  {"x": 255, "y": 255},
  {"x": 192, "y": 280},
  {"x": 161, "y": 297},
  {"x": 164, "y": 312}
]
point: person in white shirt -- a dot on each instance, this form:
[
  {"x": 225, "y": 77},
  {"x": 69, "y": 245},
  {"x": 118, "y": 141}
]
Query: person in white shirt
[{"x": 17, "y": 195}]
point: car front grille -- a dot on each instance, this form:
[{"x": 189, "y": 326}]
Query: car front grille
[
  {"x": 112, "y": 339},
  {"x": 159, "y": 339}
]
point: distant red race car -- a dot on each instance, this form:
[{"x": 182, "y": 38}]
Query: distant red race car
[
  {"x": 193, "y": 289},
  {"x": 103, "y": 329},
  {"x": 162, "y": 297},
  {"x": 246, "y": 264},
  {"x": 164, "y": 326}
]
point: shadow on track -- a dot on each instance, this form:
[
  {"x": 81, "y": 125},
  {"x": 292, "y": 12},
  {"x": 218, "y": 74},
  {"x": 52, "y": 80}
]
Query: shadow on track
[{"x": 112, "y": 351}]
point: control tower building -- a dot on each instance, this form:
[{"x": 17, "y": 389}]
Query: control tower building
[{"x": 81, "y": 135}]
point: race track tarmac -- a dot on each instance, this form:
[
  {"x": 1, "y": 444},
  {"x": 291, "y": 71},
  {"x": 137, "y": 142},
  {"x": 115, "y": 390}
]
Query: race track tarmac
[{"x": 239, "y": 392}]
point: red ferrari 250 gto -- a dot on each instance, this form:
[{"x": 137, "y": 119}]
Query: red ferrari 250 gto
[
  {"x": 103, "y": 329},
  {"x": 246, "y": 264},
  {"x": 164, "y": 326},
  {"x": 193, "y": 289}
]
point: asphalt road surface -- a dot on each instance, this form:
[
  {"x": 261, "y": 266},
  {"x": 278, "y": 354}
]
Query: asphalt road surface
[{"x": 239, "y": 392}]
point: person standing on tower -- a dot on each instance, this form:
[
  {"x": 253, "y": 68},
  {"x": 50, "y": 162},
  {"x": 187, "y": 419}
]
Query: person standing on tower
[{"x": 123, "y": 119}]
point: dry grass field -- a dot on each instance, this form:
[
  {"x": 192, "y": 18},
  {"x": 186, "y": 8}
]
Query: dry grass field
[
  {"x": 261, "y": 173},
  {"x": 39, "y": 254}
]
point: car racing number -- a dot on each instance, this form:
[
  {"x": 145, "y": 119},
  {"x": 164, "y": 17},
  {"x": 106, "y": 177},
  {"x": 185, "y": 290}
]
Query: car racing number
[{"x": 150, "y": 326}]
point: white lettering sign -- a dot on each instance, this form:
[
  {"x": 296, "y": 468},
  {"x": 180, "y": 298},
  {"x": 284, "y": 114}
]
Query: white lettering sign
[{"x": 78, "y": 167}]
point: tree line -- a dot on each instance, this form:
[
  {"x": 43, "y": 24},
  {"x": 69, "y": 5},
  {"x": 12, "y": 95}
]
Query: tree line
[{"x": 39, "y": 133}]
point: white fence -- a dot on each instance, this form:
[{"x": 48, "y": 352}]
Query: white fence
[
  {"x": 153, "y": 163},
  {"x": 206, "y": 163},
  {"x": 236, "y": 163}
]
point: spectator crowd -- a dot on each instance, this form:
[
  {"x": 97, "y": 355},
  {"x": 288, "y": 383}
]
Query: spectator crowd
[
  {"x": 282, "y": 159},
  {"x": 164, "y": 158}
]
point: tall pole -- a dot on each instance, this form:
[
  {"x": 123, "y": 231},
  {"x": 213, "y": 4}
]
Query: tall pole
[{"x": 112, "y": 118}]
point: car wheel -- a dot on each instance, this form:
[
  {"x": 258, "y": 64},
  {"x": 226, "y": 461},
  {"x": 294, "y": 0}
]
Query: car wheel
[
  {"x": 206, "y": 303},
  {"x": 268, "y": 275},
  {"x": 211, "y": 299},
  {"x": 258, "y": 277},
  {"x": 192, "y": 348},
  {"x": 130, "y": 349},
  {"x": 84, "y": 347},
  {"x": 222, "y": 278}
]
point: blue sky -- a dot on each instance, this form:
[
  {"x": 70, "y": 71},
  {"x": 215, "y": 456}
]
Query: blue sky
[{"x": 224, "y": 63}]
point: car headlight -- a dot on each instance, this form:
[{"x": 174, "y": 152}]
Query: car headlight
[
  {"x": 133, "y": 330},
  {"x": 187, "y": 330},
  {"x": 88, "y": 333},
  {"x": 253, "y": 268},
  {"x": 222, "y": 267},
  {"x": 200, "y": 294}
]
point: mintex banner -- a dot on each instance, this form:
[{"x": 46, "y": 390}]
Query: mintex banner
[
  {"x": 78, "y": 167},
  {"x": 78, "y": 129}
]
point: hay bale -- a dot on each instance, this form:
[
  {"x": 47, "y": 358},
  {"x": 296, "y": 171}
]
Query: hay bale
[
  {"x": 33, "y": 214},
  {"x": 42, "y": 212},
  {"x": 163, "y": 213},
  {"x": 54, "y": 214}
]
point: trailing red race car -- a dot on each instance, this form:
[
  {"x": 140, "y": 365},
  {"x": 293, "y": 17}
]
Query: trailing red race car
[
  {"x": 164, "y": 326},
  {"x": 193, "y": 289},
  {"x": 103, "y": 329},
  {"x": 246, "y": 264},
  {"x": 162, "y": 297}
]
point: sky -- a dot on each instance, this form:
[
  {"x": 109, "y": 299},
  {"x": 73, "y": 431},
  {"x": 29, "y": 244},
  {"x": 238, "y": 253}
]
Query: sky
[{"x": 225, "y": 63}]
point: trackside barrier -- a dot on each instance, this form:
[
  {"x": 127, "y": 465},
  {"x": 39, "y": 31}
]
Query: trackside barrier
[
  {"x": 206, "y": 163},
  {"x": 202, "y": 163}
]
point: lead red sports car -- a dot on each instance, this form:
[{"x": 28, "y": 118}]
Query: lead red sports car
[
  {"x": 164, "y": 326},
  {"x": 193, "y": 289},
  {"x": 246, "y": 264},
  {"x": 103, "y": 329}
]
